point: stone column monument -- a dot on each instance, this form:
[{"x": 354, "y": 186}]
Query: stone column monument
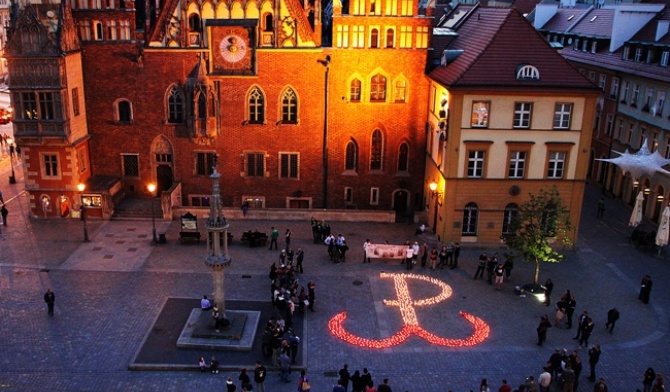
[{"x": 217, "y": 243}]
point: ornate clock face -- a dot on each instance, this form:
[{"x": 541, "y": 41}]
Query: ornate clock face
[{"x": 233, "y": 48}]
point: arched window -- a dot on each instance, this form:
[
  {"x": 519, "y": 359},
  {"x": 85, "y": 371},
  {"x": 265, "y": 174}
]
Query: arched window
[
  {"x": 527, "y": 72},
  {"x": 400, "y": 91},
  {"x": 403, "y": 158},
  {"x": 511, "y": 212},
  {"x": 376, "y": 150},
  {"x": 289, "y": 107},
  {"x": 378, "y": 88},
  {"x": 211, "y": 106},
  {"x": 256, "y": 103},
  {"x": 355, "y": 91},
  {"x": 351, "y": 156},
  {"x": 202, "y": 106},
  {"x": 175, "y": 106},
  {"x": 269, "y": 22},
  {"x": 470, "y": 215},
  {"x": 389, "y": 38},
  {"x": 374, "y": 38},
  {"x": 194, "y": 23},
  {"x": 124, "y": 111}
]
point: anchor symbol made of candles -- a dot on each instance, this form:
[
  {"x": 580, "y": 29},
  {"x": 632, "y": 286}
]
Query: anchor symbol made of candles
[{"x": 407, "y": 305}]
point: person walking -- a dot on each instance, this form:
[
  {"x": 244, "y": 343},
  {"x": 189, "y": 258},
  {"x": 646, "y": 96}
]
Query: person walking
[
  {"x": 4, "y": 213},
  {"x": 274, "y": 234},
  {"x": 311, "y": 295},
  {"x": 594, "y": 357},
  {"x": 259, "y": 376},
  {"x": 542, "y": 329},
  {"x": 648, "y": 380},
  {"x": 548, "y": 288},
  {"x": 612, "y": 317},
  {"x": 50, "y": 299}
]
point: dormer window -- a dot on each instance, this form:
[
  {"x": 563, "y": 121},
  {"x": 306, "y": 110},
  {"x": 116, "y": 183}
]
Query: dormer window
[{"x": 527, "y": 72}]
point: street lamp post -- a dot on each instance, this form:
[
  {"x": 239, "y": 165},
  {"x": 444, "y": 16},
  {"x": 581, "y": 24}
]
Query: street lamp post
[
  {"x": 152, "y": 188},
  {"x": 324, "y": 185},
  {"x": 437, "y": 196},
  {"x": 82, "y": 209}
]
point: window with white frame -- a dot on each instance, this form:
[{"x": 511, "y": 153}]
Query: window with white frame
[
  {"x": 378, "y": 88},
  {"x": 375, "y": 7},
  {"x": 638, "y": 55},
  {"x": 517, "y": 164},
  {"x": 342, "y": 36},
  {"x": 649, "y": 94},
  {"x": 643, "y": 135},
  {"x": 358, "y": 36},
  {"x": 614, "y": 91},
  {"x": 357, "y": 7},
  {"x": 289, "y": 165},
  {"x": 351, "y": 156},
  {"x": 631, "y": 130},
  {"x": 636, "y": 96},
  {"x": 374, "y": 38},
  {"x": 476, "y": 164},
  {"x": 289, "y": 107},
  {"x": 50, "y": 165},
  {"x": 619, "y": 130},
  {"x": 626, "y": 89},
  {"x": 422, "y": 37},
  {"x": 390, "y": 38},
  {"x": 660, "y": 103},
  {"x": 522, "y": 112},
  {"x": 405, "y": 37},
  {"x": 527, "y": 72},
  {"x": 355, "y": 90},
  {"x": 602, "y": 81},
  {"x": 400, "y": 91},
  {"x": 664, "y": 59},
  {"x": 374, "y": 196},
  {"x": 376, "y": 150},
  {"x": 556, "y": 164},
  {"x": 256, "y": 106},
  {"x": 480, "y": 114},
  {"x": 562, "y": 114}
]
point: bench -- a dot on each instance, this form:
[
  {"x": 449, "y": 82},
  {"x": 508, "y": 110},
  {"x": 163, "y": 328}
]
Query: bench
[
  {"x": 254, "y": 238},
  {"x": 189, "y": 236}
]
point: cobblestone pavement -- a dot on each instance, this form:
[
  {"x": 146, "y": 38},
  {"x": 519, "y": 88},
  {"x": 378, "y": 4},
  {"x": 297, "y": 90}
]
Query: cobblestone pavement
[{"x": 110, "y": 291}]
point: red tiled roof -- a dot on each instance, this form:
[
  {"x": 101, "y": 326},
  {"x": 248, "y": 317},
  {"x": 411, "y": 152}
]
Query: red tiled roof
[
  {"x": 490, "y": 39},
  {"x": 597, "y": 23}
]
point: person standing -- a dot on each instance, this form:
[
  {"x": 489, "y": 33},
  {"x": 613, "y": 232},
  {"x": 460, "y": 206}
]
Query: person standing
[
  {"x": 568, "y": 378},
  {"x": 311, "y": 295},
  {"x": 366, "y": 245},
  {"x": 457, "y": 254},
  {"x": 581, "y": 323},
  {"x": 366, "y": 378},
  {"x": 594, "y": 357},
  {"x": 648, "y": 381},
  {"x": 303, "y": 382},
  {"x": 586, "y": 332},
  {"x": 481, "y": 266},
  {"x": 612, "y": 317},
  {"x": 433, "y": 258},
  {"x": 299, "y": 257},
  {"x": 601, "y": 207},
  {"x": 544, "y": 381},
  {"x": 4, "y": 213},
  {"x": 274, "y": 234},
  {"x": 548, "y": 288},
  {"x": 505, "y": 387},
  {"x": 443, "y": 257},
  {"x": 409, "y": 255},
  {"x": 570, "y": 304},
  {"x": 338, "y": 387},
  {"x": 449, "y": 262},
  {"x": 344, "y": 376},
  {"x": 245, "y": 380},
  {"x": 259, "y": 376},
  {"x": 415, "y": 252},
  {"x": 384, "y": 386},
  {"x": 509, "y": 264},
  {"x": 50, "y": 299},
  {"x": 645, "y": 289},
  {"x": 424, "y": 254},
  {"x": 658, "y": 384},
  {"x": 285, "y": 367},
  {"x": 287, "y": 235},
  {"x": 499, "y": 273},
  {"x": 542, "y": 329}
]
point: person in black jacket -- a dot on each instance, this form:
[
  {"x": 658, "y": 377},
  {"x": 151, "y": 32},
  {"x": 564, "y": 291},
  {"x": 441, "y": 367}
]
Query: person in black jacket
[
  {"x": 594, "y": 357},
  {"x": 542, "y": 329}
]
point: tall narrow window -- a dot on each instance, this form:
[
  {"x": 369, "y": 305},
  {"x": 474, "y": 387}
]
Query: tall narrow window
[
  {"x": 636, "y": 96},
  {"x": 351, "y": 156},
  {"x": 517, "y": 164},
  {"x": 131, "y": 165},
  {"x": 256, "y": 104},
  {"x": 376, "y": 150},
  {"x": 124, "y": 111},
  {"x": 391, "y": 7},
  {"x": 358, "y": 36},
  {"x": 406, "y": 8},
  {"x": 342, "y": 36},
  {"x": 556, "y": 165},
  {"x": 47, "y": 106},
  {"x": 390, "y": 38},
  {"x": 288, "y": 165},
  {"x": 378, "y": 88},
  {"x": 405, "y": 37},
  {"x": 422, "y": 37},
  {"x": 374, "y": 196},
  {"x": 374, "y": 38},
  {"x": 470, "y": 215},
  {"x": 510, "y": 213},
  {"x": 50, "y": 162},
  {"x": 480, "y": 114},
  {"x": 355, "y": 91},
  {"x": 522, "y": 112},
  {"x": 202, "y": 106},
  {"x": 403, "y": 158},
  {"x": 194, "y": 23},
  {"x": 75, "y": 101},
  {"x": 289, "y": 107},
  {"x": 614, "y": 91},
  {"x": 562, "y": 114},
  {"x": 29, "y": 106},
  {"x": 475, "y": 164},
  {"x": 175, "y": 106},
  {"x": 255, "y": 164},
  {"x": 400, "y": 91},
  {"x": 549, "y": 220}
]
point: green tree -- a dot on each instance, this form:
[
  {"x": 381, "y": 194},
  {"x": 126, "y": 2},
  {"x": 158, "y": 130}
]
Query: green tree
[{"x": 541, "y": 221}]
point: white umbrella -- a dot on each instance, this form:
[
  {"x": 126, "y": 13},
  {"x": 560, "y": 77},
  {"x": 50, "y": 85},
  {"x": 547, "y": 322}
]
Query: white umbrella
[
  {"x": 663, "y": 229},
  {"x": 636, "y": 216}
]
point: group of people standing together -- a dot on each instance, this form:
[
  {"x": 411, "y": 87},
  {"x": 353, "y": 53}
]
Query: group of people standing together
[
  {"x": 447, "y": 256},
  {"x": 496, "y": 269}
]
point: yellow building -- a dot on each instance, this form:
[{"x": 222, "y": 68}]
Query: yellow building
[{"x": 506, "y": 119}]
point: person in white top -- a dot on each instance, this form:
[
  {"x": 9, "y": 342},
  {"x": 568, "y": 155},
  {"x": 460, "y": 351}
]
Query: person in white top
[
  {"x": 409, "y": 254},
  {"x": 366, "y": 245},
  {"x": 205, "y": 304},
  {"x": 415, "y": 252}
]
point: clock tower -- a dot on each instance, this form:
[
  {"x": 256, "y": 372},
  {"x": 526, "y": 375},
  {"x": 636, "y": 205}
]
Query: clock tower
[{"x": 232, "y": 45}]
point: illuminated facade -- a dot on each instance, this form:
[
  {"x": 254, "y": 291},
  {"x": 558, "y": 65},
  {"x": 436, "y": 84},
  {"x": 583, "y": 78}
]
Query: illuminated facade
[
  {"x": 508, "y": 120},
  {"x": 300, "y": 107}
]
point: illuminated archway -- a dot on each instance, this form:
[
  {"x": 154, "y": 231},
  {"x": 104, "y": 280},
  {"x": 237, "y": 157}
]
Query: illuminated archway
[{"x": 406, "y": 305}]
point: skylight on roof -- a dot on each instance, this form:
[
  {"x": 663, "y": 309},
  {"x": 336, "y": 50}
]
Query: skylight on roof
[
  {"x": 594, "y": 18},
  {"x": 571, "y": 17}
]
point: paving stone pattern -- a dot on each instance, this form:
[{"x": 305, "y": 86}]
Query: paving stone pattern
[{"x": 109, "y": 292}]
